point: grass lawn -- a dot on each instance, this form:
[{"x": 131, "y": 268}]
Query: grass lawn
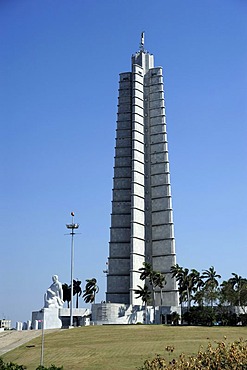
[{"x": 117, "y": 347}]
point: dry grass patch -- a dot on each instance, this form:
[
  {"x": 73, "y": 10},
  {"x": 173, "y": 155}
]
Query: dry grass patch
[{"x": 117, "y": 347}]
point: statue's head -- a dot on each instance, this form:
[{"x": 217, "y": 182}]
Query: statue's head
[{"x": 54, "y": 278}]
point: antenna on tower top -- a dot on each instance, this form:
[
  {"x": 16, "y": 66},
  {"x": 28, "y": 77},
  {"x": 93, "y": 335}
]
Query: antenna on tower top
[{"x": 142, "y": 41}]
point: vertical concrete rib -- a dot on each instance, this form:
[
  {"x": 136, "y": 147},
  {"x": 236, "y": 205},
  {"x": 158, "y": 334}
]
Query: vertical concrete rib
[{"x": 137, "y": 238}]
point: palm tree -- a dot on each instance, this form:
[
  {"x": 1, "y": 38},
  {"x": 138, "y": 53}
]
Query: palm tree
[
  {"x": 211, "y": 277},
  {"x": 199, "y": 297},
  {"x": 239, "y": 286},
  {"x": 198, "y": 291},
  {"x": 211, "y": 284},
  {"x": 66, "y": 293},
  {"x": 159, "y": 280},
  {"x": 227, "y": 293},
  {"x": 188, "y": 283},
  {"x": 198, "y": 284},
  {"x": 177, "y": 271},
  {"x": 77, "y": 291},
  {"x": 146, "y": 272},
  {"x": 90, "y": 291},
  {"x": 155, "y": 278},
  {"x": 145, "y": 294}
]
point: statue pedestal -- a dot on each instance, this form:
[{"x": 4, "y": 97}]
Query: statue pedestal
[
  {"x": 50, "y": 317},
  {"x": 55, "y": 318}
]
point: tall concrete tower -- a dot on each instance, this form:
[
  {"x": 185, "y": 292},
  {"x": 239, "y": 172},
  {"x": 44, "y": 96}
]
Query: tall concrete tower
[{"x": 142, "y": 216}]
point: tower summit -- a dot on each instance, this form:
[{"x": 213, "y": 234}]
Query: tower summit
[
  {"x": 142, "y": 42},
  {"x": 142, "y": 227}
]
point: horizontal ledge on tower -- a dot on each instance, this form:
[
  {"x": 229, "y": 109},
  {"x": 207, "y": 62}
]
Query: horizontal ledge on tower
[
  {"x": 122, "y": 166},
  {"x": 123, "y": 201},
  {"x": 137, "y": 183},
  {"x": 121, "y": 214},
  {"x": 156, "y": 186},
  {"x": 128, "y": 242},
  {"x": 158, "y": 133},
  {"x": 160, "y": 173},
  {"x": 160, "y": 142},
  {"x": 154, "y": 108},
  {"x": 120, "y": 201},
  {"x": 123, "y": 129},
  {"x": 136, "y": 105},
  {"x": 136, "y": 271},
  {"x": 139, "y": 123},
  {"x": 158, "y": 162},
  {"x": 123, "y": 147},
  {"x": 161, "y": 240},
  {"x": 122, "y": 177},
  {"x": 154, "y": 83},
  {"x": 119, "y": 227},
  {"x": 159, "y": 152},
  {"x": 137, "y": 254},
  {"x": 136, "y": 160},
  {"x": 137, "y": 208},
  {"x": 137, "y": 150},
  {"x": 137, "y": 223},
  {"x": 163, "y": 255},
  {"x": 138, "y": 141},
  {"x": 162, "y": 197},
  {"x": 122, "y": 156},
  {"x": 163, "y": 224},
  {"x": 136, "y": 89},
  {"x": 162, "y": 210},
  {"x": 129, "y": 121},
  {"x": 159, "y": 99},
  {"x": 136, "y": 237},
  {"x": 126, "y": 111}
]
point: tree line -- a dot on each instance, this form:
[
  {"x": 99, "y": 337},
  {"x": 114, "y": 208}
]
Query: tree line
[
  {"x": 214, "y": 302},
  {"x": 202, "y": 298}
]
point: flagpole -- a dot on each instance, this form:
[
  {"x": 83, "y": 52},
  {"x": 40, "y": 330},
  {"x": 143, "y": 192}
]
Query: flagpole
[{"x": 72, "y": 227}]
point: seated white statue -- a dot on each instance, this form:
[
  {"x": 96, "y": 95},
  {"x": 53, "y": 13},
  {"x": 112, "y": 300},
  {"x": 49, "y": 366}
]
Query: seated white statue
[{"x": 54, "y": 294}]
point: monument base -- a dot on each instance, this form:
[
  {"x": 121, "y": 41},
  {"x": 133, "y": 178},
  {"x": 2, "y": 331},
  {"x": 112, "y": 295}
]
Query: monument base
[
  {"x": 81, "y": 317},
  {"x": 49, "y": 317},
  {"x": 118, "y": 313},
  {"x": 56, "y": 318}
]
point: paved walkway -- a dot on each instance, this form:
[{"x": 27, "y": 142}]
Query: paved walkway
[{"x": 10, "y": 339}]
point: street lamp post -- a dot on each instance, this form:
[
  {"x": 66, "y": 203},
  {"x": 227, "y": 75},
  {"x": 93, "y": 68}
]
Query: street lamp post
[{"x": 72, "y": 227}]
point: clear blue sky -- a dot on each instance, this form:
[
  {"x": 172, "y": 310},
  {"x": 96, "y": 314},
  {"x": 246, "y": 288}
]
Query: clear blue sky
[{"x": 59, "y": 66}]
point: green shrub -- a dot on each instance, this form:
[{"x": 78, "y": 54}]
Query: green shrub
[
  {"x": 232, "y": 356},
  {"x": 12, "y": 366}
]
